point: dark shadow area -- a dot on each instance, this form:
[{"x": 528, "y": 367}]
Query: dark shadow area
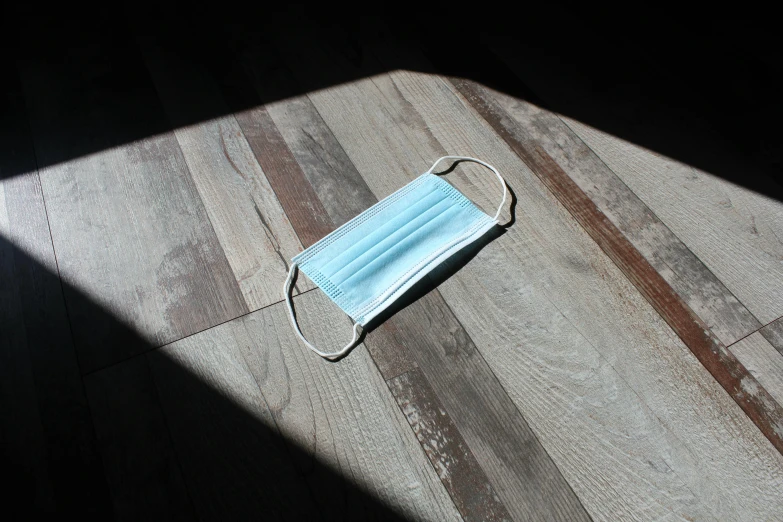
[
  {"x": 143, "y": 439},
  {"x": 701, "y": 93}
]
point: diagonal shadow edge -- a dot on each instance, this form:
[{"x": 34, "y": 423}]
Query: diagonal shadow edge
[
  {"x": 519, "y": 65},
  {"x": 126, "y": 396}
]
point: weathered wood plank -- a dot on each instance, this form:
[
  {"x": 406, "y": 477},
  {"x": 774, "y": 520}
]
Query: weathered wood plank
[
  {"x": 773, "y": 333},
  {"x": 733, "y": 230},
  {"x": 519, "y": 469},
  {"x": 579, "y": 386},
  {"x": 250, "y": 224},
  {"x": 763, "y": 361},
  {"x": 49, "y": 457},
  {"x": 127, "y": 222},
  {"x": 324, "y": 163},
  {"x": 520, "y": 472},
  {"x": 704, "y": 293},
  {"x": 442, "y": 442},
  {"x": 244, "y": 93},
  {"x": 718, "y": 360},
  {"x": 264, "y": 427},
  {"x": 141, "y": 465},
  {"x": 699, "y": 287}
]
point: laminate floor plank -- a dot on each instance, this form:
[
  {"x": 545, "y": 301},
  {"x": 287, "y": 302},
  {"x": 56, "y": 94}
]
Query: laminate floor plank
[
  {"x": 427, "y": 335},
  {"x": 264, "y": 426},
  {"x": 554, "y": 318},
  {"x": 706, "y": 295},
  {"x": 708, "y": 349},
  {"x": 731, "y": 229},
  {"x": 128, "y": 225},
  {"x": 734, "y": 231},
  {"x": 763, "y": 361},
  {"x": 50, "y": 462},
  {"x": 773, "y": 333},
  {"x": 249, "y": 222}
]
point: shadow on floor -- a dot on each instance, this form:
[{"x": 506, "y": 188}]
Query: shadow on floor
[
  {"x": 703, "y": 94},
  {"x": 172, "y": 446}
]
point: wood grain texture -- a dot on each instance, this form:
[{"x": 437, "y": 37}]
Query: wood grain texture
[
  {"x": 773, "y": 333},
  {"x": 48, "y": 457},
  {"x": 704, "y": 293},
  {"x": 733, "y": 230},
  {"x": 141, "y": 466},
  {"x": 763, "y": 361},
  {"x": 524, "y": 476},
  {"x": 324, "y": 162},
  {"x": 245, "y": 384},
  {"x": 718, "y": 360},
  {"x": 285, "y": 175},
  {"x": 606, "y": 413},
  {"x": 250, "y": 224},
  {"x": 519, "y": 470},
  {"x": 446, "y": 449},
  {"x": 128, "y": 225}
]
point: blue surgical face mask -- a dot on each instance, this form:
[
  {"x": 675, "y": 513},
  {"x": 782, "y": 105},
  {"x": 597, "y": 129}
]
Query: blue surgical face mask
[{"x": 372, "y": 260}]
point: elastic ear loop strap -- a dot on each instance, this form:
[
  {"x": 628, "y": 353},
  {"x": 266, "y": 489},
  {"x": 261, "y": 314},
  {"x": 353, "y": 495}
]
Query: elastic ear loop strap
[
  {"x": 289, "y": 280},
  {"x": 490, "y": 167},
  {"x": 289, "y": 302}
]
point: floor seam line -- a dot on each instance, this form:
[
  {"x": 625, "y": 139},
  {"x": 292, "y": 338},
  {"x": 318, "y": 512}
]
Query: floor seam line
[
  {"x": 157, "y": 347},
  {"x": 757, "y": 330}
]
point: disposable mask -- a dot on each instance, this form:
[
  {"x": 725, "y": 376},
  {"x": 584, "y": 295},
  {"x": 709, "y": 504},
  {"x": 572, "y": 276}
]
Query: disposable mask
[{"x": 372, "y": 260}]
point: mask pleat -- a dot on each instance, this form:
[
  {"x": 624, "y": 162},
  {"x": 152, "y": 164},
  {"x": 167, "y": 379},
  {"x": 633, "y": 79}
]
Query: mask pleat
[
  {"x": 398, "y": 237},
  {"x": 406, "y": 253}
]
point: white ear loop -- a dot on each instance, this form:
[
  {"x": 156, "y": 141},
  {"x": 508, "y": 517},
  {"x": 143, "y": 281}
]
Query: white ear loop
[
  {"x": 356, "y": 326},
  {"x": 292, "y": 316},
  {"x": 490, "y": 167}
]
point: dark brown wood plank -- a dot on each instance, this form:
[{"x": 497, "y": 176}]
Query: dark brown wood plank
[
  {"x": 129, "y": 228},
  {"x": 296, "y": 195},
  {"x": 48, "y": 455},
  {"x": 446, "y": 449},
  {"x": 248, "y": 220},
  {"x": 716, "y": 358},
  {"x": 142, "y": 469},
  {"x": 520, "y": 472}
]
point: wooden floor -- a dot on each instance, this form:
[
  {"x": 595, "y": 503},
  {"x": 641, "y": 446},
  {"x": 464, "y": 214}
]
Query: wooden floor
[{"x": 613, "y": 352}]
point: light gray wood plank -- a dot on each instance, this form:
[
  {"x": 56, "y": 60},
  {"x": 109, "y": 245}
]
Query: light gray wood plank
[
  {"x": 734, "y": 231},
  {"x": 773, "y": 332},
  {"x": 763, "y": 361},
  {"x": 733, "y": 377},
  {"x": 555, "y": 319},
  {"x": 704, "y": 293},
  {"x": 256, "y": 387},
  {"x": 250, "y": 224},
  {"x": 127, "y": 221},
  {"x": 523, "y": 475}
]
